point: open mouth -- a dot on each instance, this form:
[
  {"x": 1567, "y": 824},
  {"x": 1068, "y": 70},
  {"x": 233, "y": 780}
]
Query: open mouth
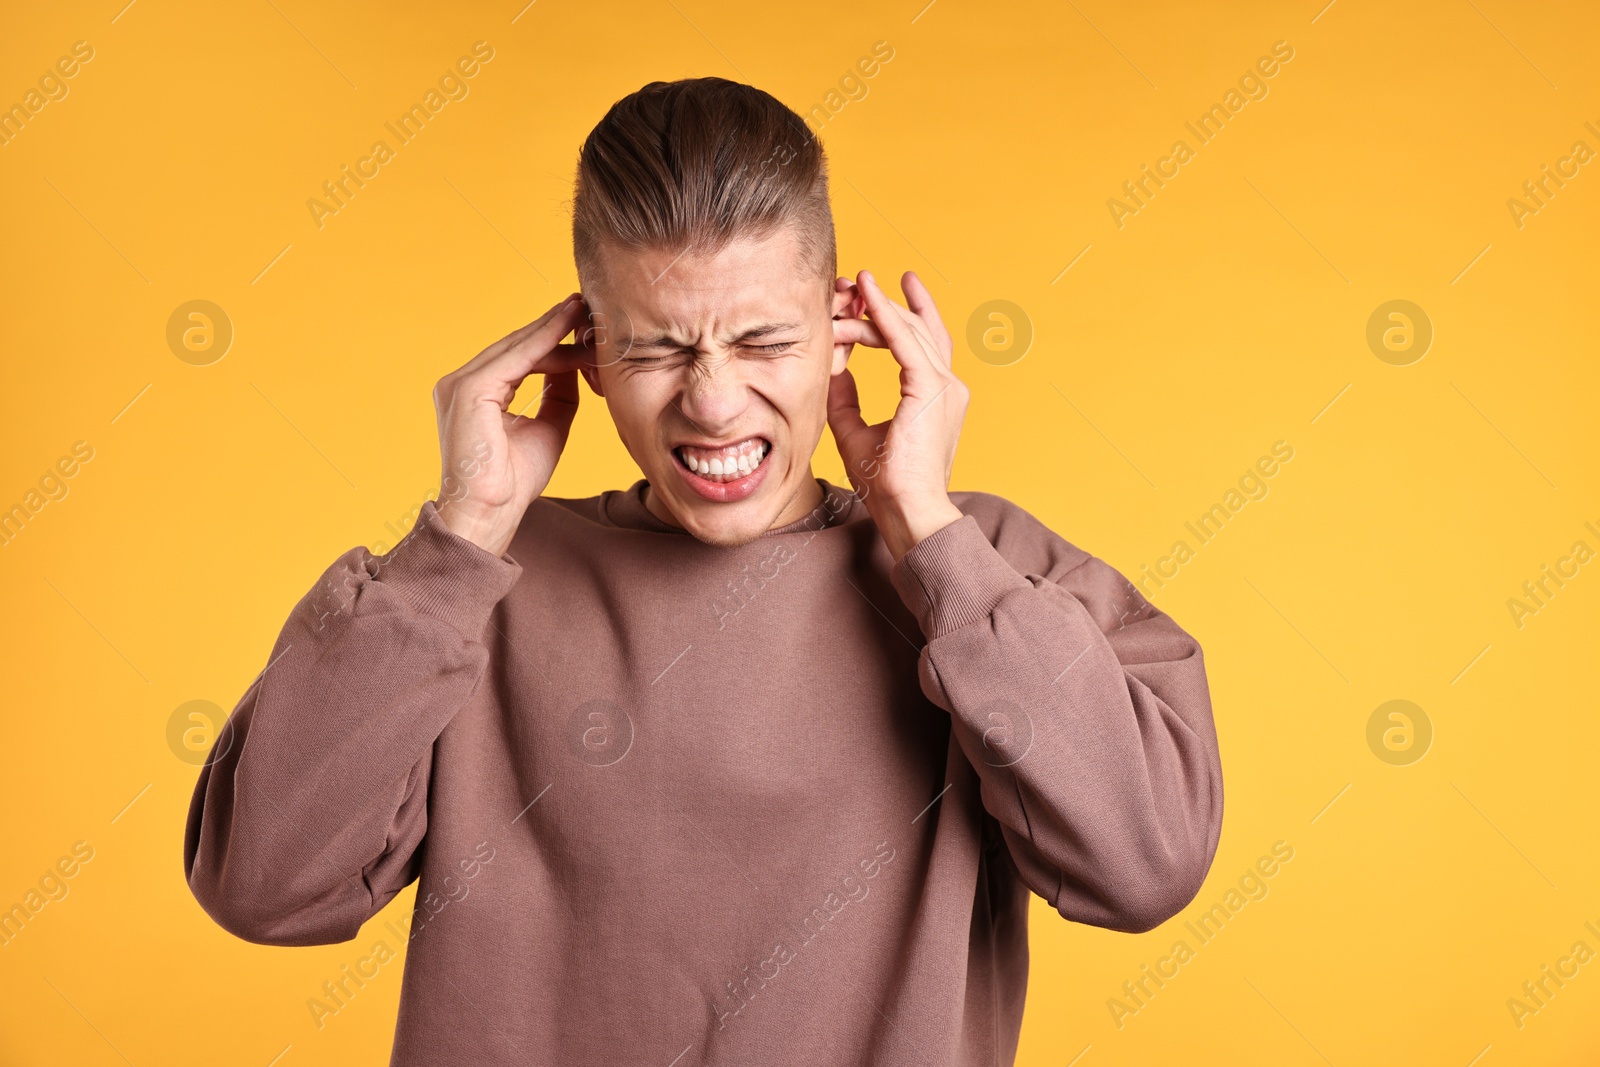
[
  {"x": 726, "y": 473},
  {"x": 727, "y": 464}
]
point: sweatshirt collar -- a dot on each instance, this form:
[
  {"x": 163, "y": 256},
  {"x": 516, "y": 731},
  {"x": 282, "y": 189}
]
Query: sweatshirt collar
[{"x": 626, "y": 508}]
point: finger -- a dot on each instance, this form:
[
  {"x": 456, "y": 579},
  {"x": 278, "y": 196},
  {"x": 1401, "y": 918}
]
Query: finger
[
  {"x": 921, "y": 301},
  {"x": 529, "y": 355},
  {"x": 561, "y": 359},
  {"x": 494, "y": 350},
  {"x": 844, "y": 409},
  {"x": 918, "y": 325},
  {"x": 565, "y": 356},
  {"x": 857, "y": 332},
  {"x": 904, "y": 342},
  {"x": 913, "y": 322}
]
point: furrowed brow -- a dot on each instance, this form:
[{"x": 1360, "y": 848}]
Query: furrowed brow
[
  {"x": 766, "y": 329},
  {"x": 754, "y": 333}
]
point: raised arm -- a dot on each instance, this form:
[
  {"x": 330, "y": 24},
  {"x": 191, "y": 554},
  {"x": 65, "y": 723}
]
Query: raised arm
[
  {"x": 1084, "y": 710},
  {"x": 309, "y": 811}
]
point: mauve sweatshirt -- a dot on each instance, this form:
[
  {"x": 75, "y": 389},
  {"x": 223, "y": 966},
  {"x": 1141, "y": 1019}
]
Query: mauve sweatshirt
[{"x": 670, "y": 803}]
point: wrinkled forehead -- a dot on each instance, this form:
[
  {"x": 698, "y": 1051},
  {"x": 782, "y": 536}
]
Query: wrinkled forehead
[{"x": 747, "y": 283}]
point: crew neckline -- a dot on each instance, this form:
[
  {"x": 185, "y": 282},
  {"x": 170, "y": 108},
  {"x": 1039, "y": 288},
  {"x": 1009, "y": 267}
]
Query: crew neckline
[{"x": 625, "y": 508}]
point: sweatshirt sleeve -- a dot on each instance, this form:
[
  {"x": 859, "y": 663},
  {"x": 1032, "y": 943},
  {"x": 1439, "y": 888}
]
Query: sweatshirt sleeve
[
  {"x": 310, "y": 809},
  {"x": 1084, "y": 710}
]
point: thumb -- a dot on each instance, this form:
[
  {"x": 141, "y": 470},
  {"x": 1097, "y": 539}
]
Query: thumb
[
  {"x": 844, "y": 409},
  {"x": 559, "y": 402},
  {"x": 545, "y": 435}
]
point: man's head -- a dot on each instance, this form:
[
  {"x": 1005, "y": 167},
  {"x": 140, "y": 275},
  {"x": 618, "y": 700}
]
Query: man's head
[{"x": 705, "y": 250}]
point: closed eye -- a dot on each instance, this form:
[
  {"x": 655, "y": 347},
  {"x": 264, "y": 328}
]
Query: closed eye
[{"x": 770, "y": 350}]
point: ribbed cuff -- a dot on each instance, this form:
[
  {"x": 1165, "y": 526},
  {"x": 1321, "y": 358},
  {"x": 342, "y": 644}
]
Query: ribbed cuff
[
  {"x": 444, "y": 575},
  {"x": 953, "y": 577}
]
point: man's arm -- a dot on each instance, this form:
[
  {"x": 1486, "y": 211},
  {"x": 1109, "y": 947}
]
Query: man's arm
[
  {"x": 1084, "y": 710},
  {"x": 307, "y": 816}
]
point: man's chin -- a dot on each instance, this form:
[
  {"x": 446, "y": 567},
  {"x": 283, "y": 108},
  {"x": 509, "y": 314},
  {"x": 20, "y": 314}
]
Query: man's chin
[
  {"x": 726, "y": 525},
  {"x": 724, "y": 537}
]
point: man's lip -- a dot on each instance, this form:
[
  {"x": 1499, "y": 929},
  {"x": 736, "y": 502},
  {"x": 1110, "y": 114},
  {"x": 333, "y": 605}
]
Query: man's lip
[
  {"x": 722, "y": 444},
  {"x": 726, "y": 492}
]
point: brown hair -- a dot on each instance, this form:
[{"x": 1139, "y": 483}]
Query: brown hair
[{"x": 694, "y": 163}]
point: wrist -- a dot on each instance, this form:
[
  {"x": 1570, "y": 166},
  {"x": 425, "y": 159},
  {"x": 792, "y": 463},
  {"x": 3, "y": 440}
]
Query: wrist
[
  {"x": 489, "y": 533},
  {"x": 903, "y": 528}
]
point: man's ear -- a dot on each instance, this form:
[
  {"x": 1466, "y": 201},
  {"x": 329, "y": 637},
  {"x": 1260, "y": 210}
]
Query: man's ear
[
  {"x": 590, "y": 369},
  {"x": 586, "y": 337},
  {"x": 848, "y": 303}
]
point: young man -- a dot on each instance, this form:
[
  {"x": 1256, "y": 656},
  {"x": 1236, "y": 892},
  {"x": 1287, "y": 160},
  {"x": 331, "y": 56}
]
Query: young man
[{"x": 733, "y": 766}]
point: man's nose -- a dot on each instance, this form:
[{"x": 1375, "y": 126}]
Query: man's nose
[{"x": 714, "y": 393}]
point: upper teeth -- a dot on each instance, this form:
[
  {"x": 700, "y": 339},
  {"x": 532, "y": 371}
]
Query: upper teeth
[{"x": 738, "y": 461}]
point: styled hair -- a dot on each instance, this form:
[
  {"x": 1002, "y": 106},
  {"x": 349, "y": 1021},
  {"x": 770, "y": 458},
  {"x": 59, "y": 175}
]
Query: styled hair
[{"x": 694, "y": 163}]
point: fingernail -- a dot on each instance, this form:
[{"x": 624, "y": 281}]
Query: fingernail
[{"x": 867, "y": 274}]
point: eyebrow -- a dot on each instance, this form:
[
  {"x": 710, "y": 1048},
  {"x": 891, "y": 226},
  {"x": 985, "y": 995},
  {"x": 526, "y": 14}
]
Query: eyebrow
[{"x": 766, "y": 329}]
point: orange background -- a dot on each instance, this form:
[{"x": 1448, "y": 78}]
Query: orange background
[{"x": 1229, "y": 313}]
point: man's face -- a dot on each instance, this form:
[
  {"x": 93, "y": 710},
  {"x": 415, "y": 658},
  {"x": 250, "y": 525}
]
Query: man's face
[{"x": 720, "y": 362}]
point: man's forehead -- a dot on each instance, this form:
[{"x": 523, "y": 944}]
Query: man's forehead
[
  {"x": 660, "y": 292},
  {"x": 695, "y": 298}
]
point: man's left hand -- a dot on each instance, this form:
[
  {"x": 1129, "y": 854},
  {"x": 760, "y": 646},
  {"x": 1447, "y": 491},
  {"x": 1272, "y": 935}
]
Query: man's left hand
[{"x": 901, "y": 467}]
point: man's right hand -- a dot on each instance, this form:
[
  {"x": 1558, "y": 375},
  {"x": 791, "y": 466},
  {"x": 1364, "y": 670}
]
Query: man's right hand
[{"x": 495, "y": 463}]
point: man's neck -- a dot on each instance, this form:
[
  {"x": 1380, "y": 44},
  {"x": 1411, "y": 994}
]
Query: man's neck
[{"x": 806, "y": 500}]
